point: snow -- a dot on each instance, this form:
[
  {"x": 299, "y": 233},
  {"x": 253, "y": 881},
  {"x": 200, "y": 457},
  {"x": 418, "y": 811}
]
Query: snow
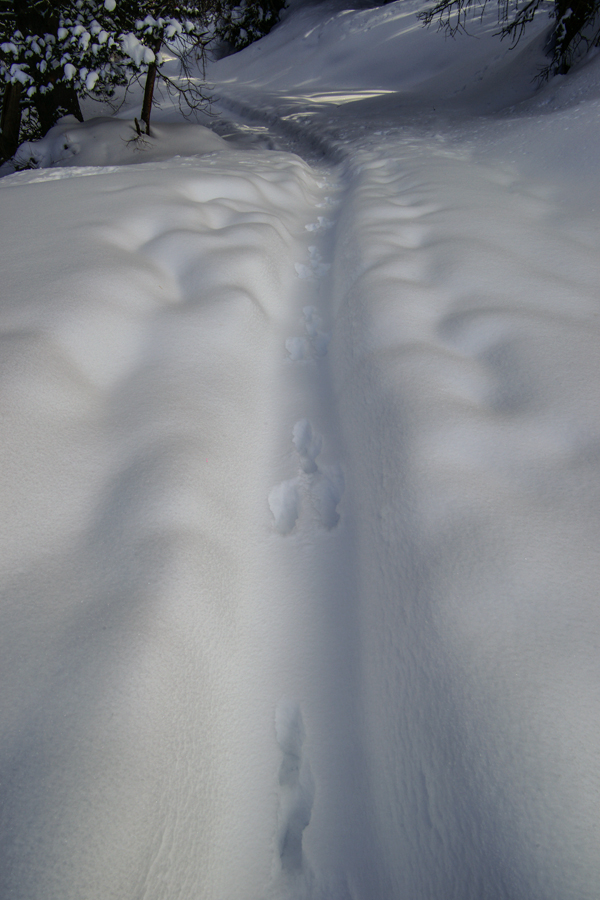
[
  {"x": 300, "y": 480},
  {"x": 131, "y": 47},
  {"x": 103, "y": 140}
]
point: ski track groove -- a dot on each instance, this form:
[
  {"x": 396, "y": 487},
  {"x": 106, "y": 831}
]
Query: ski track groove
[{"x": 311, "y": 513}]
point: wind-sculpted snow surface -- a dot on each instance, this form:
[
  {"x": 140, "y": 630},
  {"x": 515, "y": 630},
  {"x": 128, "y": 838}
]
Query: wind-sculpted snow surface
[
  {"x": 145, "y": 644},
  {"x": 465, "y": 357}
]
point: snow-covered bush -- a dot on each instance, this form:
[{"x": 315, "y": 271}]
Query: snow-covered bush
[
  {"x": 72, "y": 44},
  {"x": 54, "y": 53}
]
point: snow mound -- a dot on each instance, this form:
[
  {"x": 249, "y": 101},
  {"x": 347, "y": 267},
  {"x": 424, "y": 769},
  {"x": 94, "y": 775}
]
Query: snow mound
[{"x": 109, "y": 141}]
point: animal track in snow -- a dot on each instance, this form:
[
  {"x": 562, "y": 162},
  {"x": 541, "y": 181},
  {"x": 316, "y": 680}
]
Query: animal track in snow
[
  {"x": 303, "y": 271},
  {"x": 296, "y": 786},
  {"x": 312, "y": 324},
  {"x": 324, "y": 485},
  {"x": 322, "y": 224},
  {"x": 327, "y": 491},
  {"x": 284, "y": 502},
  {"x": 298, "y": 348},
  {"x": 316, "y": 341},
  {"x": 316, "y": 267},
  {"x": 308, "y": 444}
]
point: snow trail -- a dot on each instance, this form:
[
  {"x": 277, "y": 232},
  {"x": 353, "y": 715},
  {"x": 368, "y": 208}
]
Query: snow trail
[
  {"x": 312, "y": 564},
  {"x": 300, "y": 484},
  {"x": 274, "y": 488}
]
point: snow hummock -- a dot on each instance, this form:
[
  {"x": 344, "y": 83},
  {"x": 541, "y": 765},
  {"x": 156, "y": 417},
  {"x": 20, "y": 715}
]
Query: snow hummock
[
  {"x": 110, "y": 141},
  {"x": 300, "y": 480}
]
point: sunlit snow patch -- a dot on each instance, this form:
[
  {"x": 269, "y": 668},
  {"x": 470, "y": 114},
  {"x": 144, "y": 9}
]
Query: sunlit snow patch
[{"x": 284, "y": 503}]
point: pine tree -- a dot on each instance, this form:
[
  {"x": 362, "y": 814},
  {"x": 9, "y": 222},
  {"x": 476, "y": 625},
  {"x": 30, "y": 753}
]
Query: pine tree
[
  {"x": 29, "y": 66},
  {"x": 148, "y": 27},
  {"x": 242, "y": 23},
  {"x": 55, "y": 52}
]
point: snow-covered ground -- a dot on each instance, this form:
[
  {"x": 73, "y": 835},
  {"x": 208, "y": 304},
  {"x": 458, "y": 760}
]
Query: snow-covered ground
[{"x": 301, "y": 481}]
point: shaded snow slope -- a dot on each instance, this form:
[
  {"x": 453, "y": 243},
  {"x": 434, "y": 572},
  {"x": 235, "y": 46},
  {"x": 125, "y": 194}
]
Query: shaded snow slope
[
  {"x": 300, "y": 483},
  {"x": 327, "y": 54},
  {"x": 466, "y": 367},
  {"x": 146, "y": 642}
]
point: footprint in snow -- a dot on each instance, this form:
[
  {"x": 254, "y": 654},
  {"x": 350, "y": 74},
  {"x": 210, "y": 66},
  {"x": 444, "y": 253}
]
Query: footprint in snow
[
  {"x": 324, "y": 485},
  {"x": 316, "y": 341},
  {"x": 284, "y": 503},
  {"x": 312, "y": 324},
  {"x": 327, "y": 491},
  {"x": 322, "y": 224},
  {"x": 308, "y": 444},
  {"x": 298, "y": 348},
  {"x": 316, "y": 267},
  {"x": 296, "y": 786}
]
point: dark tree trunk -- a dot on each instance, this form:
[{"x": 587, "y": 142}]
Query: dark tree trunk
[
  {"x": 11, "y": 121},
  {"x": 149, "y": 88},
  {"x": 62, "y": 100},
  {"x": 148, "y": 95}
]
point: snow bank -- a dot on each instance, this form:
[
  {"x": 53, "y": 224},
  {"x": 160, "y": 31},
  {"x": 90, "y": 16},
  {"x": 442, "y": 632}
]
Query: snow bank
[
  {"x": 107, "y": 141},
  {"x": 140, "y": 648},
  {"x": 470, "y": 411}
]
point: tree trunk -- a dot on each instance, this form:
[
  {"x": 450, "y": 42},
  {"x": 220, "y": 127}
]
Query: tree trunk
[
  {"x": 149, "y": 88},
  {"x": 148, "y": 95},
  {"x": 11, "y": 120},
  {"x": 62, "y": 100},
  {"x": 42, "y": 18}
]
